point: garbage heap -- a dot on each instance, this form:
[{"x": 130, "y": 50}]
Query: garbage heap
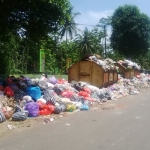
[
  {"x": 129, "y": 64},
  {"x": 106, "y": 64},
  {"x": 23, "y": 97}
]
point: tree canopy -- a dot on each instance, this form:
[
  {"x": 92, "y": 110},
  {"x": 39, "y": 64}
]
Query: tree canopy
[
  {"x": 68, "y": 25},
  {"x": 130, "y": 31},
  {"x": 31, "y": 18},
  {"x": 89, "y": 42},
  {"x": 26, "y": 26}
]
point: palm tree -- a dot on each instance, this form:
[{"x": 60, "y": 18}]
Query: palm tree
[
  {"x": 89, "y": 42},
  {"x": 69, "y": 26},
  {"x": 103, "y": 23}
]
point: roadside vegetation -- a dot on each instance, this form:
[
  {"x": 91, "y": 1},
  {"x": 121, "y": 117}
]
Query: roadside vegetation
[{"x": 28, "y": 26}]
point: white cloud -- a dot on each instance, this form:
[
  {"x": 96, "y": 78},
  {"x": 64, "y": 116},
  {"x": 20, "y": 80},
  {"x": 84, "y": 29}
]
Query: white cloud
[
  {"x": 91, "y": 18},
  {"x": 98, "y": 15}
]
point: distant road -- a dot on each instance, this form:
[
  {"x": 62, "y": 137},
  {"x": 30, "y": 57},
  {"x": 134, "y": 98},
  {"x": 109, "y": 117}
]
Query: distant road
[{"x": 121, "y": 125}]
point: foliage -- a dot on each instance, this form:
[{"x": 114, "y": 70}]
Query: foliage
[
  {"x": 10, "y": 58},
  {"x": 130, "y": 31},
  {"x": 68, "y": 25},
  {"x": 23, "y": 25},
  {"x": 89, "y": 42},
  {"x": 30, "y": 18},
  {"x": 115, "y": 55},
  {"x": 103, "y": 23},
  {"x": 26, "y": 26},
  {"x": 144, "y": 60}
]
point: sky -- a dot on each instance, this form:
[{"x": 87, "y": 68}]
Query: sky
[{"x": 92, "y": 10}]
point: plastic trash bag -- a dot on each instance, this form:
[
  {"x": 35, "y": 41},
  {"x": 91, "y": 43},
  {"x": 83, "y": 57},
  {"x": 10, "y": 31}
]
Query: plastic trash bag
[
  {"x": 32, "y": 108},
  {"x": 84, "y": 107},
  {"x": 34, "y": 92},
  {"x": 19, "y": 116},
  {"x": 59, "y": 109},
  {"x": 8, "y": 91},
  {"x": 53, "y": 80},
  {"x": 2, "y": 117},
  {"x": 67, "y": 94},
  {"x": 46, "y": 109}
]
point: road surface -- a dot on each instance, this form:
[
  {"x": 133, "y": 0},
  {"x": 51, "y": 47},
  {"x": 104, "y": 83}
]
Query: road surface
[{"x": 123, "y": 124}]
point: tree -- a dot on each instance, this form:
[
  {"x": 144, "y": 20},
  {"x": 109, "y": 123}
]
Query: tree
[
  {"x": 30, "y": 18},
  {"x": 144, "y": 60},
  {"x": 130, "y": 31},
  {"x": 68, "y": 26},
  {"x": 10, "y": 58},
  {"x": 103, "y": 23},
  {"x": 89, "y": 42},
  {"x": 29, "y": 21}
]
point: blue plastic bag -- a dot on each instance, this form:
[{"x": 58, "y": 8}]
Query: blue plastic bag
[
  {"x": 84, "y": 107},
  {"x": 34, "y": 92},
  {"x": 32, "y": 108}
]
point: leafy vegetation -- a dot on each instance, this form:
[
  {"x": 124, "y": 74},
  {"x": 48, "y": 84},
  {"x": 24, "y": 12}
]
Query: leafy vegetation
[
  {"x": 130, "y": 31},
  {"x": 26, "y": 26}
]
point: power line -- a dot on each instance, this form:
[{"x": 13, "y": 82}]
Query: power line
[{"x": 86, "y": 25}]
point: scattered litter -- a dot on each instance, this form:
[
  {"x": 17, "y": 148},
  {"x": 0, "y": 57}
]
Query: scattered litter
[
  {"x": 51, "y": 119},
  {"x": 67, "y": 124},
  {"x": 10, "y": 127}
]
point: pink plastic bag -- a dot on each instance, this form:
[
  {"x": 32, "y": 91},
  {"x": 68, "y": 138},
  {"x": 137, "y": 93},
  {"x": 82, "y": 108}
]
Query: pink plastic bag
[
  {"x": 67, "y": 94},
  {"x": 61, "y": 81}
]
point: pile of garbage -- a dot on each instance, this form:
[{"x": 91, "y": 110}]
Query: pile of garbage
[
  {"x": 129, "y": 64},
  {"x": 23, "y": 97},
  {"x": 106, "y": 64},
  {"x": 109, "y": 64}
]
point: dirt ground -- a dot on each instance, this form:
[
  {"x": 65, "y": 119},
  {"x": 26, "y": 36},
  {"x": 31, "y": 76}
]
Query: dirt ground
[{"x": 10, "y": 127}]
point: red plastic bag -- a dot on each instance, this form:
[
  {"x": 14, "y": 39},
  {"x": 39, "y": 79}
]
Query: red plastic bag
[
  {"x": 44, "y": 112},
  {"x": 84, "y": 94},
  {"x": 1, "y": 88},
  {"x": 87, "y": 90},
  {"x": 41, "y": 105},
  {"x": 45, "y": 109},
  {"x": 9, "y": 81},
  {"x": 51, "y": 108},
  {"x": 8, "y": 91}
]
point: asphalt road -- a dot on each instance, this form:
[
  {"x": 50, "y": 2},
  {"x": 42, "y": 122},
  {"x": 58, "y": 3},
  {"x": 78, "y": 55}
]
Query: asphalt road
[{"x": 123, "y": 124}]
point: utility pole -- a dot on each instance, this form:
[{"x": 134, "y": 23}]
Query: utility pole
[{"x": 105, "y": 41}]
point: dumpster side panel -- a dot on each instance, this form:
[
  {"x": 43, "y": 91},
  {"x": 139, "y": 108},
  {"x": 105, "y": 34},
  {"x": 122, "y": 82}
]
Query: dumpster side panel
[
  {"x": 97, "y": 75},
  {"x": 122, "y": 69},
  {"x": 136, "y": 72},
  {"x": 105, "y": 76},
  {"x": 73, "y": 72},
  {"x": 115, "y": 76},
  {"x": 127, "y": 74},
  {"x": 132, "y": 73},
  {"x": 111, "y": 76},
  {"x": 85, "y": 71}
]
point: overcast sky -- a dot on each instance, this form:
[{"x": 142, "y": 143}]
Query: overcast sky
[{"x": 92, "y": 10}]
